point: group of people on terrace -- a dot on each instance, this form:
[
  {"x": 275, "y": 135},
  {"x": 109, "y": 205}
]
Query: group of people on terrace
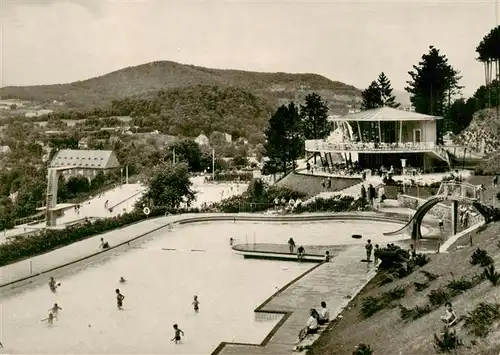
[
  {"x": 372, "y": 146},
  {"x": 290, "y": 204}
]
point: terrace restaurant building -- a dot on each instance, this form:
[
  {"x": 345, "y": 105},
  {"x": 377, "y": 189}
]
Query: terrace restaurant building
[{"x": 382, "y": 137}]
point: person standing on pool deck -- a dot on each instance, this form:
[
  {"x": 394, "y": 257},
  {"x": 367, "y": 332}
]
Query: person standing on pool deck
[
  {"x": 291, "y": 245},
  {"x": 119, "y": 298},
  {"x": 177, "y": 334},
  {"x": 369, "y": 248},
  {"x": 196, "y": 304}
]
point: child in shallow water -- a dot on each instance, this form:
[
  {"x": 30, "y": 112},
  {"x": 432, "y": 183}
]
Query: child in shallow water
[
  {"x": 177, "y": 334},
  {"x": 55, "y": 309},
  {"x": 49, "y": 319},
  {"x": 119, "y": 299},
  {"x": 196, "y": 304}
]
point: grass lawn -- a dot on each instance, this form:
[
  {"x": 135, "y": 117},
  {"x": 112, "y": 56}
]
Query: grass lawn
[{"x": 387, "y": 333}]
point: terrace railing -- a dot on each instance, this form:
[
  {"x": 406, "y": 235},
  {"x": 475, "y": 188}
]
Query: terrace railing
[
  {"x": 319, "y": 145},
  {"x": 460, "y": 190}
]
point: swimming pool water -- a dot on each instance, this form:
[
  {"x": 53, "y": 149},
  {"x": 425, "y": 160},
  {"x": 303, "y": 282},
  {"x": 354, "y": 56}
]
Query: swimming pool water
[{"x": 160, "y": 288}]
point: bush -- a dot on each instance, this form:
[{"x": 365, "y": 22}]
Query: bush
[
  {"x": 370, "y": 305},
  {"x": 392, "y": 258},
  {"x": 415, "y": 312},
  {"x": 481, "y": 257},
  {"x": 447, "y": 342},
  {"x": 492, "y": 275},
  {"x": 396, "y": 293},
  {"x": 420, "y": 260},
  {"x": 459, "y": 286},
  {"x": 386, "y": 278},
  {"x": 363, "y": 349},
  {"x": 430, "y": 276},
  {"x": 334, "y": 204},
  {"x": 258, "y": 197},
  {"x": 438, "y": 296},
  {"x": 478, "y": 320},
  {"x": 420, "y": 286}
]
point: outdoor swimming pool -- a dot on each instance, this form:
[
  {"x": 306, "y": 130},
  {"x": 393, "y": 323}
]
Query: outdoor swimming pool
[{"x": 160, "y": 288}]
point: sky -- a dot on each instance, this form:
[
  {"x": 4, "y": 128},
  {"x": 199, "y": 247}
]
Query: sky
[{"x": 60, "y": 41}]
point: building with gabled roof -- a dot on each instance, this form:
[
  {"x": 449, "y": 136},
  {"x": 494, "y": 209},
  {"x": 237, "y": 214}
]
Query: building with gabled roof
[{"x": 84, "y": 162}]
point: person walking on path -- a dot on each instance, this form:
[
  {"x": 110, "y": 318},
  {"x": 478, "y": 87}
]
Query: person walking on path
[
  {"x": 369, "y": 248},
  {"x": 371, "y": 194},
  {"x": 375, "y": 257},
  {"x": 291, "y": 245}
]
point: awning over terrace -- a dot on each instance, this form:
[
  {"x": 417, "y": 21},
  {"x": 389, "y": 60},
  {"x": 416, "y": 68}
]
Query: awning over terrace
[{"x": 385, "y": 114}]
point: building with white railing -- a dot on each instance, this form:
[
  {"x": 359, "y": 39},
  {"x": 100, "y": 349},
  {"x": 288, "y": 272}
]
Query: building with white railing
[{"x": 382, "y": 137}]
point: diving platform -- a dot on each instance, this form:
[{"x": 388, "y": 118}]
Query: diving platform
[
  {"x": 314, "y": 254},
  {"x": 58, "y": 207}
]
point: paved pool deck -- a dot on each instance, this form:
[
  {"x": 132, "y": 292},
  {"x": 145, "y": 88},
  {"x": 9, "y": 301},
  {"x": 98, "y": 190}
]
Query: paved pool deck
[{"x": 335, "y": 282}]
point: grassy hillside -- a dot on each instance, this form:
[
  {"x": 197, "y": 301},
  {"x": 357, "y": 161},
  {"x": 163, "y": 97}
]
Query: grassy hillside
[
  {"x": 388, "y": 333},
  {"x": 141, "y": 79}
]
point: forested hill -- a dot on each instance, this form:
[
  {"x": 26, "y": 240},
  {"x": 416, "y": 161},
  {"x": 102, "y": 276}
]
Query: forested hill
[
  {"x": 132, "y": 81},
  {"x": 195, "y": 110}
]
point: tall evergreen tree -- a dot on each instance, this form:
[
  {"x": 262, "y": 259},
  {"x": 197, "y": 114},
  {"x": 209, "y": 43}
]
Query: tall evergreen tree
[
  {"x": 433, "y": 82},
  {"x": 384, "y": 84},
  {"x": 314, "y": 116},
  {"x": 372, "y": 97},
  {"x": 284, "y": 140}
]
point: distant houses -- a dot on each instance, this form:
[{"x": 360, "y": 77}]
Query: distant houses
[
  {"x": 37, "y": 113},
  {"x": 202, "y": 140},
  {"x": 11, "y": 104}
]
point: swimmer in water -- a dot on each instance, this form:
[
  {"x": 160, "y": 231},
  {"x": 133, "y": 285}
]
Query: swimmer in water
[
  {"x": 119, "y": 299},
  {"x": 177, "y": 334},
  {"x": 196, "y": 304},
  {"x": 55, "y": 309},
  {"x": 231, "y": 241},
  {"x": 49, "y": 319},
  {"x": 122, "y": 280},
  {"x": 53, "y": 285}
]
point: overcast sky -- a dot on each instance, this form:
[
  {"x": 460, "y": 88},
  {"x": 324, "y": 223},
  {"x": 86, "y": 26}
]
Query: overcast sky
[{"x": 49, "y": 41}]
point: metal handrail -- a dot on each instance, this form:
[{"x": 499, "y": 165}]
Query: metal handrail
[{"x": 323, "y": 145}]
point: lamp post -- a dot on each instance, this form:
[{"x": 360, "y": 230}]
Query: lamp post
[{"x": 213, "y": 164}]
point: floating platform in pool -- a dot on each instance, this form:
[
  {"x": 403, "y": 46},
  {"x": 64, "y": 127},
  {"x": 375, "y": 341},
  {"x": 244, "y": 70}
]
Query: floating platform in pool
[{"x": 281, "y": 252}]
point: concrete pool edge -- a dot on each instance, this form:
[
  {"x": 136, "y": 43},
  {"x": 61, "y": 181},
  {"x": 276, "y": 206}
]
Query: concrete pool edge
[{"x": 190, "y": 218}]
